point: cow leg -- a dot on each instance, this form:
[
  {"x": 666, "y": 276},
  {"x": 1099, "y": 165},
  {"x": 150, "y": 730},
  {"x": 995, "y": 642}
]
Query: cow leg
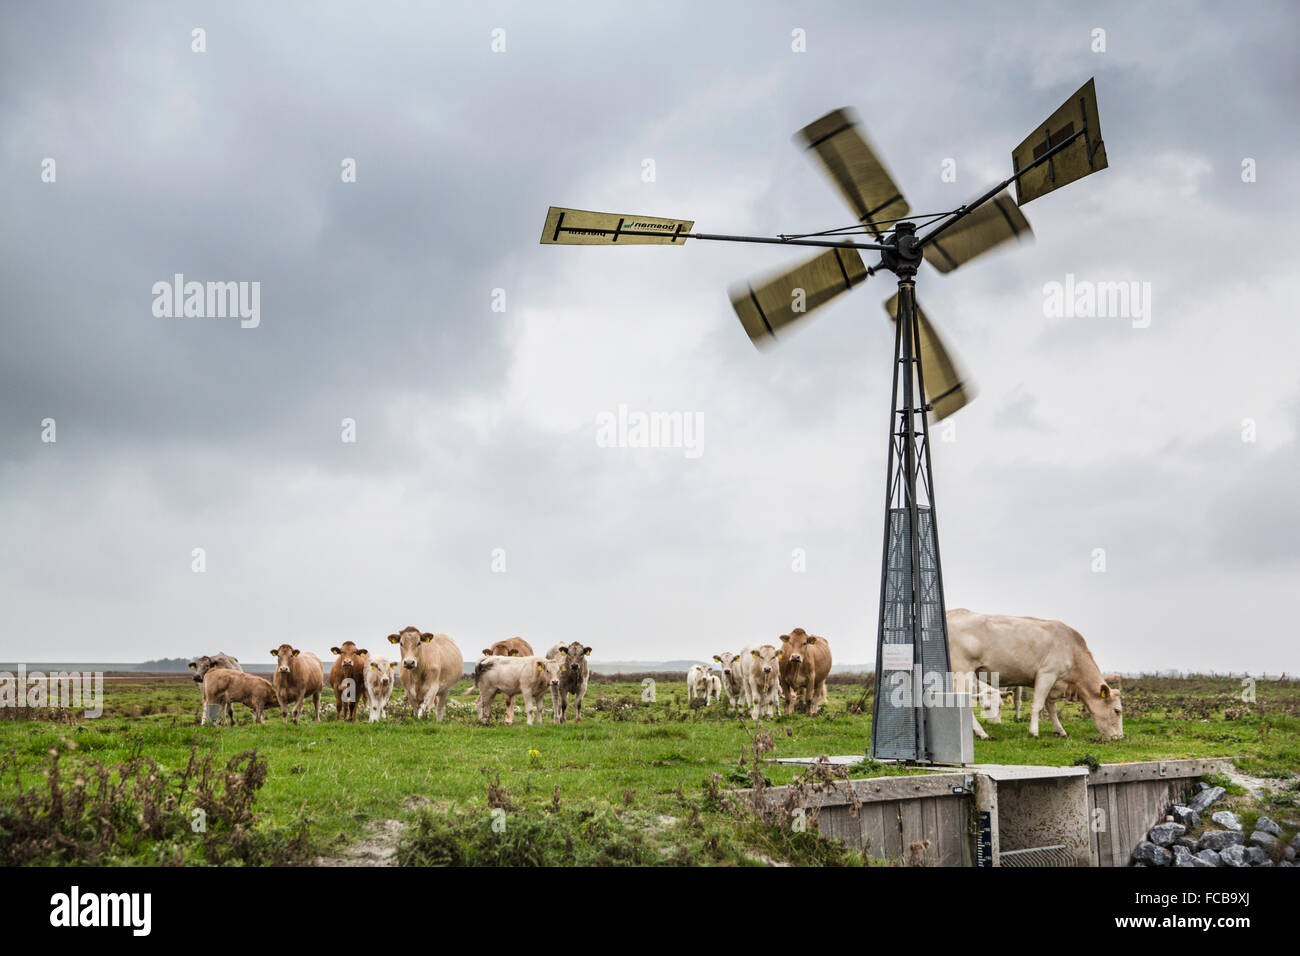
[
  {"x": 440, "y": 703},
  {"x": 979, "y": 731},
  {"x": 530, "y": 707},
  {"x": 1056, "y": 719},
  {"x": 485, "y": 706},
  {"x": 577, "y": 704},
  {"x": 1042, "y": 687},
  {"x": 510, "y": 703},
  {"x": 427, "y": 704}
]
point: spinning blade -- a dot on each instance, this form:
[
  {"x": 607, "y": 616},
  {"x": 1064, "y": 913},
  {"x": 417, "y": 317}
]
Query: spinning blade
[
  {"x": 946, "y": 387},
  {"x": 578, "y": 227},
  {"x": 774, "y": 303},
  {"x": 1087, "y": 154},
  {"x": 849, "y": 160},
  {"x": 990, "y": 225}
]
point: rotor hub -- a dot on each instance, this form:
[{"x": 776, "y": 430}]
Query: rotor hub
[{"x": 902, "y": 255}]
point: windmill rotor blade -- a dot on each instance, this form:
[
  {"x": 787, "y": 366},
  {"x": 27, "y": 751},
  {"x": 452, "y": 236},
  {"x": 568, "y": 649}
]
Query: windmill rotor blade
[
  {"x": 842, "y": 149},
  {"x": 997, "y": 221},
  {"x": 579, "y": 227},
  {"x": 775, "y": 304},
  {"x": 1085, "y": 155},
  {"x": 947, "y": 387}
]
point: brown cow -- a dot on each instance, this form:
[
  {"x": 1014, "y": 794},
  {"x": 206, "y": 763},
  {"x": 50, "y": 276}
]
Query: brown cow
[
  {"x": 510, "y": 647},
  {"x": 223, "y": 688},
  {"x": 348, "y": 680},
  {"x": 431, "y": 665},
  {"x": 298, "y": 675},
  {"x": 203, "y": 664},
  {"x": 805, "y": 665}
]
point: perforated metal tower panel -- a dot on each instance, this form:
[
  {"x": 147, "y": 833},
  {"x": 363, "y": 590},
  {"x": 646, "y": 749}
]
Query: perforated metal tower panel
[{"x": 904, "y": 672}]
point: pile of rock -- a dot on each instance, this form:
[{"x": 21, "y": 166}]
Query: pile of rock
[{"x": 1168, "y": 844}]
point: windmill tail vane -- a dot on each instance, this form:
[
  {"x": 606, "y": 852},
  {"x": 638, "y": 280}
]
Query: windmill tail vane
[{"x": 928, "y": 382}]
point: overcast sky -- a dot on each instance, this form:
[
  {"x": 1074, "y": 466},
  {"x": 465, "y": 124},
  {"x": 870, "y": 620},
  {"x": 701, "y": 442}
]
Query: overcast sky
[{"x": 476, "y": 430}]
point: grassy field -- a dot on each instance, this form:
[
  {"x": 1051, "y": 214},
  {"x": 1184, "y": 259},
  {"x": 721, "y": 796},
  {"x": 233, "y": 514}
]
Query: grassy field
[{"x": 636, "y": 782}]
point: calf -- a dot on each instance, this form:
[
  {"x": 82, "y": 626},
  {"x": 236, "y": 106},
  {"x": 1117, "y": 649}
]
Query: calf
[
  {"x": 510, "y": 647},
  {"x": 380, "y": 678},
  {"x": 732, "y": 680},
  {"x": 223, "y": 688},
  {"x": 697, "y": 683},
  {"x": 202, "y": 665},
  {"x": 431, "y": 665},
  {"x": 298, "y": 675},
  {"x": 761, "y": 669},
  {"x": 805, "y": 665},
  {"x": 573, "y": 677},
  {"x": 529, "y": 676},
  {"x": 348, "y": 680}
]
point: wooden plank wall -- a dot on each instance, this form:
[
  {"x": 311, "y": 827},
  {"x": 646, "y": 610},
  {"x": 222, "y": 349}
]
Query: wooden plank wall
[
  {"x": 886, "y": 828},
  {"x": 1131, "y": 808}
]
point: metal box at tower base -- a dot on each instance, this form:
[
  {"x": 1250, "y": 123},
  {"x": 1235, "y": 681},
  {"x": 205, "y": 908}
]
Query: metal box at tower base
[{"x": 916, "y": 715}]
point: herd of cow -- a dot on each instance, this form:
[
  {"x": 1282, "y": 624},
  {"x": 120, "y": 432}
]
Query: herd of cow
[
  {"x": 990, "y": 655},
  {"x": 428, "y": 666}
]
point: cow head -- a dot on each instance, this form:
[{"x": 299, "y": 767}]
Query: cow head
[
  {"x": 409, "y": 642},
  {"x": 284, "y": 656},
  {"x": 550, "y": 669},
  {"x": 767, "y": 662},
  {"x": 571, "y": 658},
  {"x": 730, "y": 664},
  {"x": 1107, "y": 711},
  {"x": 349, "y": 655},
  {"x": 502, "y": 649},
  {"x": 201, "y": 667},
  {"x": 380, "y": 671},
  {"x": 794, "y": 646}
]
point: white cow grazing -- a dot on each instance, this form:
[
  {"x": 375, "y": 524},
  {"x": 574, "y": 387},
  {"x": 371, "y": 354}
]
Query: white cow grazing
[
  {"x": 529, "y": 676},
  {"x": 380, "y": 680},
  {"x": 715, "y": 687},
  {"x": 1028, "y": 650},
  {"x": 697, "y": 683},
  {"x": 761, "y": 668},
  {"x": 733, "y": 680}
]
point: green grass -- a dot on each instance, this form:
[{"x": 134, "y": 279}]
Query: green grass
[{"x": 628, "y": 767}]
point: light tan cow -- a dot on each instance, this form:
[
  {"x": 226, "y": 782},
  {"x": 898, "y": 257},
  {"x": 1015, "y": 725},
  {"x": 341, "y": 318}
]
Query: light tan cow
[
  {"x": 298, "y": 675},
  {"x": 529, "y": 676},
  {"x": 1028, "y": 650},
  {"x": 760, "y": 666},
  {"x": 381, "y": 677},
  {"x": 223, "y": 688},
  {"x": 574, "y": 675},
  {"x": 207, "y": 662},
  {"x": 431, "y": 665},
  {"x": 732, "y": 680},
  {"x": 805, "y": 665},
  {"x": 510, "y": 647},
  {"x": 698, "y": 683}
]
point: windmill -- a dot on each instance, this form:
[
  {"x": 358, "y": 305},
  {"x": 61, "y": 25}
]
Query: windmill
[{"x": 916, "y": 717}]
